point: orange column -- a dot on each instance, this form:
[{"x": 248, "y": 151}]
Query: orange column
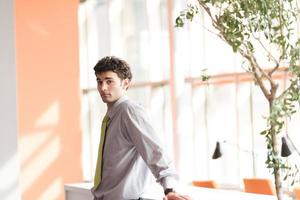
[{"x": 48, "y": 97}]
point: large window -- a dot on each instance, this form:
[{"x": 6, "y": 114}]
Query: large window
[
  {"x": 135, "y": 30},
  {"x": 166, "y": 72}
]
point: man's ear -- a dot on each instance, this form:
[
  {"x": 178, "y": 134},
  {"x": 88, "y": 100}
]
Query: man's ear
[{"x": 126, "y": 83}]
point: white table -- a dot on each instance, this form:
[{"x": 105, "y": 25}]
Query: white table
[
  {"x": 199, "y": 193},
  {"x": 78, "y": 191},
  {"x": 81, "y": 191}
]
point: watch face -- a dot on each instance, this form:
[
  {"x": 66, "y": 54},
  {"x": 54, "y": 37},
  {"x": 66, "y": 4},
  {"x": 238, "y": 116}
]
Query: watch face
[{"x": 168, "y": 190}]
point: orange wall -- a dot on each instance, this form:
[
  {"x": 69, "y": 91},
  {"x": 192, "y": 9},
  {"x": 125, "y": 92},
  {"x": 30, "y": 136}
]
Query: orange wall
[{"x": 48, "y": 96}]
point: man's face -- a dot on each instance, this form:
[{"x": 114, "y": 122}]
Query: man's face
[{"x": 110, "y": 86}]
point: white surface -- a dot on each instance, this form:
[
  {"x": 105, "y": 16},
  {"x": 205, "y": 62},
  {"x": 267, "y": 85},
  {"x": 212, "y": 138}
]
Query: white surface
[
  {"x": 78, "y": 191},
  {"x": 9, "y": 161},
  {"x": 198, "y": 193},
  {"x": 81, "y": 191}
]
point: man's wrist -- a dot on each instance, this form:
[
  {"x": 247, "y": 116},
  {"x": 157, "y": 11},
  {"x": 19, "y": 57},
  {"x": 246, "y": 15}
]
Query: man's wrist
[{"x": 168, "y": 190}]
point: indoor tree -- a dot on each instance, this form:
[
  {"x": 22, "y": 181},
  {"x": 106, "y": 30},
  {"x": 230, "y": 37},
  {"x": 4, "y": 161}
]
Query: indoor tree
[{"x": 252, "y": 26}]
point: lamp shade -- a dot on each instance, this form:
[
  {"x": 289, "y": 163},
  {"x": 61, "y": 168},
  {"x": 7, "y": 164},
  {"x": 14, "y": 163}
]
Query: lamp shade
[
  {"x": 217, "y": 153},
  {"x": 285, "y": 149}
]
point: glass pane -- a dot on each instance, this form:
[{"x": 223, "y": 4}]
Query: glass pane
[
  {"x": 245, "y": 129},
  {"x": 201, "y": 153},
  {"x": 93, "y": 111},
  {"x": 222, "y": 126},
  {"x": 93, "y": 23},
  {"x": 260, "y": 111}
]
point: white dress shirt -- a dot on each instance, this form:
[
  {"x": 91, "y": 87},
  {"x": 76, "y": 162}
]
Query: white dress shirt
[{"x": 133, "y": 156}]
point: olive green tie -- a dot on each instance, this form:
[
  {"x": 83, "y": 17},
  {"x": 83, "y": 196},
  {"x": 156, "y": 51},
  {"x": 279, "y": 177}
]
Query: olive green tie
[{"x": 98, "y": 173}]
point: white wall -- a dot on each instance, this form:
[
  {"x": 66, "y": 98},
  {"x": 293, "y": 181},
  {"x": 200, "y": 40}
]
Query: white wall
[{"x": 9, "y": 163}]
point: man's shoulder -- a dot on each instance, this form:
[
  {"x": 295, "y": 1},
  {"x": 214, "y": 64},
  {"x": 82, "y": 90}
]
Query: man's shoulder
[
  {"x": 131, "y": 109},
  {"x": 131, "y": 105}
]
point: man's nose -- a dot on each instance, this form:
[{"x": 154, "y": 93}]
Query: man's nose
[{"x": 103, "y": 87}]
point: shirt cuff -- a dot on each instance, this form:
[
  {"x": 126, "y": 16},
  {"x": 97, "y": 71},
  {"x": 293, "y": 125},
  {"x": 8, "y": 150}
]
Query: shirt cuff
[{"x": 169, "y": 182}]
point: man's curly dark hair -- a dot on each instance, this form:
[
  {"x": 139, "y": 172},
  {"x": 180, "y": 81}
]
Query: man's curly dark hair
[{"x": 117, "y": 65}]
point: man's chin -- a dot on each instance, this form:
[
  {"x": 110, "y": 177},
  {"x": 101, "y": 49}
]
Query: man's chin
[{"x": 105, "y": 100}]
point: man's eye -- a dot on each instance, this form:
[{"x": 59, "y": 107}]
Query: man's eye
[{"x": 109, "y": 82}]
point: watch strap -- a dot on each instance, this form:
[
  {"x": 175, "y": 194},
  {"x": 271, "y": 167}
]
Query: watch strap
[{"x": 168, "y": 190}]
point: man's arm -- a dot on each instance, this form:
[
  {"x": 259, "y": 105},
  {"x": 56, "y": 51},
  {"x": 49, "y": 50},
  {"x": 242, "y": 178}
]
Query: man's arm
[
  {"x": 175, "y": 196},
  {"x": 141, "y": 133},
  {"x": 152, "y": 151}
]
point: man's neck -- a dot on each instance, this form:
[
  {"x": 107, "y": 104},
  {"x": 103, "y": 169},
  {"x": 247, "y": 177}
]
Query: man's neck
[{"x": 110, "y": 104}]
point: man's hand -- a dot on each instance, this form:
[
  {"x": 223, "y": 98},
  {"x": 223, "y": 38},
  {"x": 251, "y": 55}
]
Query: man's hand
[{"x": 175, "y": 196}]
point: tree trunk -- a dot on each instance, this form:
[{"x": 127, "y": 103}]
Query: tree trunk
[
  {"x": 277, "y": 177},
  {"x": 275, "y": 150}
]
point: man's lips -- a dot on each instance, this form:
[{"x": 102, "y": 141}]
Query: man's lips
[{"x": 105, "y": 95}]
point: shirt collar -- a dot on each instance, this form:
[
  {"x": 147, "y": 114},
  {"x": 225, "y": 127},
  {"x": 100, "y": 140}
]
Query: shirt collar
[{"x": 113, "y": 109}]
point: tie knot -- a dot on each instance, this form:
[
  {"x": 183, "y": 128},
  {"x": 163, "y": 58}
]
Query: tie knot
[{"x": 105, "y": 119}]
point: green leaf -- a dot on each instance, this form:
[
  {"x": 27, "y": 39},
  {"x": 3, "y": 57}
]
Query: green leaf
[
  {"x": 263, "y": 132},
  {"x": 179, "y": 22}
]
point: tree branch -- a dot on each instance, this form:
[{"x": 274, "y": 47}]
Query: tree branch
[
  {"x": 273, "y": 70},
  {"x": 258, "y": 72},
  {"x": 254, "y": 70},
  {"x": 269, "y": 55}
]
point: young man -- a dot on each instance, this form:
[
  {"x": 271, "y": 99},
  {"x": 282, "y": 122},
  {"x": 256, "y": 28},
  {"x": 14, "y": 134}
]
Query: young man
[{"x": 130, "y": 152}]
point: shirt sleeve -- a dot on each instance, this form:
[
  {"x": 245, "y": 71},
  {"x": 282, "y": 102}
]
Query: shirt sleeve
[{"x": 147, "y": 143}]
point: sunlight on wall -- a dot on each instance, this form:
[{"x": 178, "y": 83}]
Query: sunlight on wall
[
  {"x": 54, "y": 190},
  {"x": 31, "y": 143},
  {"x": 9, "y": 185},
  {"x": 40, "y": 162},
  {"x": 38, "y": 29},
  {"x": 50, "y": 117},
  {"x": 40, "y": 149},
  {"x": 41, "y": 153}
]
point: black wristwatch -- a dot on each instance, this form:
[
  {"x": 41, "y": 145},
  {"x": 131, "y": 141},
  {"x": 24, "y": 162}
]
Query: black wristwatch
[{"x": 168, "y": 190}]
